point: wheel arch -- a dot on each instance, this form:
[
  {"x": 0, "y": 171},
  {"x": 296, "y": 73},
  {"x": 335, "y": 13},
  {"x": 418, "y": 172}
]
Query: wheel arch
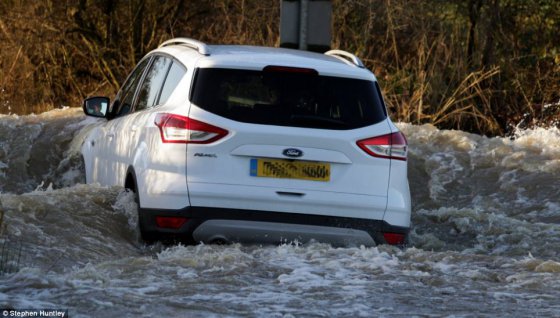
[{"x": 130, "y": 180}]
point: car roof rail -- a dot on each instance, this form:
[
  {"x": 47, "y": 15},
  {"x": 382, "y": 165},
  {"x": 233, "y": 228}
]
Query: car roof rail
[
  {"x": 346, "y": 57},
  {"x": 200, "y": 47}
]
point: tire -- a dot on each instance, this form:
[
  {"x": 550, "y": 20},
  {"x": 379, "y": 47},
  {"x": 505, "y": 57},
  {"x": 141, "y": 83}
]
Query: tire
[
  {"x": 147, "y": 237},
  {"x": 82, "y": 168}
]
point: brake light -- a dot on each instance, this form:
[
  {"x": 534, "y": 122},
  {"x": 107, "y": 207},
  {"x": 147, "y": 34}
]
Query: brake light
[
  {"x": 181, "y": 129},
  {"x": 289, "y": 69},
  {"x": 390, "y": 146},
  {"x": 170, "y": 222}
]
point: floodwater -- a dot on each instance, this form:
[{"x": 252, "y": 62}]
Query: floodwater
[{"x": 485, "y": 239}]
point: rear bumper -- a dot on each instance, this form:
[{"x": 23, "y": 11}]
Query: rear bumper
[{"x": 207, "y": 224}]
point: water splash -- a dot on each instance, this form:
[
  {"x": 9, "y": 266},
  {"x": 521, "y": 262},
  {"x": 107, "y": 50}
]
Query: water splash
[{"x": 485, "y": 238}]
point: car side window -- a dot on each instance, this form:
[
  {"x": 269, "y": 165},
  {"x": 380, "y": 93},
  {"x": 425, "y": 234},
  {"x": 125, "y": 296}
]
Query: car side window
[
  {"x": 148, "y": 93},
  {"x": 176, "y": 73},
  {"x": 126, "y": 96}
]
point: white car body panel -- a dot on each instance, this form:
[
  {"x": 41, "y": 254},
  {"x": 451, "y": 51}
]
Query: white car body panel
[
  {"x": 366, "y": 175},
  {"x": 280, "y": 199}
]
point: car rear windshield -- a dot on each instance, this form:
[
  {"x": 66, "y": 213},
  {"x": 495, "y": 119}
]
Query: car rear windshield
[{"x": 287, "y": 98}]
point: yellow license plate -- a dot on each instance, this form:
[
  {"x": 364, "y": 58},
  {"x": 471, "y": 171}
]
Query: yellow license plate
[{"x": 289, "y": 169}]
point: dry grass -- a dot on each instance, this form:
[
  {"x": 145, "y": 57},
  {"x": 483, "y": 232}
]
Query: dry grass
[{"x": 437, "y": 62}]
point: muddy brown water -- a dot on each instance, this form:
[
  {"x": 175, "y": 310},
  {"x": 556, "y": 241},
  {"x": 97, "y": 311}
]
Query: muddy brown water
[{"x": 485, "y": 239}]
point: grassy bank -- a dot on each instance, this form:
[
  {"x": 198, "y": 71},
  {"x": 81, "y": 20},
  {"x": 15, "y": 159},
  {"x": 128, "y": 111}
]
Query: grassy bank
[{"x": 476, "y": 65}]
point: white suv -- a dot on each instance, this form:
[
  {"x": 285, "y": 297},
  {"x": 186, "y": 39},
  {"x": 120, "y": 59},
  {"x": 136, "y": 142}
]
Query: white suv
[{"x": 252, "y": 144}]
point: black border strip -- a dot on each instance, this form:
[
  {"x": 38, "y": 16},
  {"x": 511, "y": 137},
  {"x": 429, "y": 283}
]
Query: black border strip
[{"x": 198, "y": 215}]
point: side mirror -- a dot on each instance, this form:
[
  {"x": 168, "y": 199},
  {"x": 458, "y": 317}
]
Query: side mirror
[{"x": 96, "y": 106}]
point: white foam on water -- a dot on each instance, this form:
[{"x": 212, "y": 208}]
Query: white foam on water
[
  {"x": 307, "y": 280},
  {"x": 481, "y": 205},
  {"x": 126, "y": 204}
]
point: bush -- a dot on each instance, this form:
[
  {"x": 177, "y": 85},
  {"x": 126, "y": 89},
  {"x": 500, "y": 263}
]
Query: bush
[{"x": 476, "y": 65}]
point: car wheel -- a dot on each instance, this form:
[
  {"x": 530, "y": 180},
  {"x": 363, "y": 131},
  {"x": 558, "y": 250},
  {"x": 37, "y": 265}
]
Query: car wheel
[
  {"x": 82, "y": 178},
  {"x": 147, "y": 237}
]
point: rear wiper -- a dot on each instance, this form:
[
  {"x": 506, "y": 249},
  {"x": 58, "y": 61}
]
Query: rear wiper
[{"x": 312, "y": 119}]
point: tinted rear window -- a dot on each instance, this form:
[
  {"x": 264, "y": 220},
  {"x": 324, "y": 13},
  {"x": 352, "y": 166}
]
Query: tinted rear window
[{"x": 288, "y": 98}]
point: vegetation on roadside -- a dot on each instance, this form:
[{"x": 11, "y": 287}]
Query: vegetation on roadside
[{"x": 476, "y": 65}]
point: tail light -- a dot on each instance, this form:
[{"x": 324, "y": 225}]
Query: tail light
[
  {"x": 390, "y": 146},
  {"x": 181, "y": 129}
]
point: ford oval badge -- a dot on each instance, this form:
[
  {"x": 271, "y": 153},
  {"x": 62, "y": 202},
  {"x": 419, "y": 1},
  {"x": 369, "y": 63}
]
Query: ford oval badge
[{"x": 292, "y": 153}]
